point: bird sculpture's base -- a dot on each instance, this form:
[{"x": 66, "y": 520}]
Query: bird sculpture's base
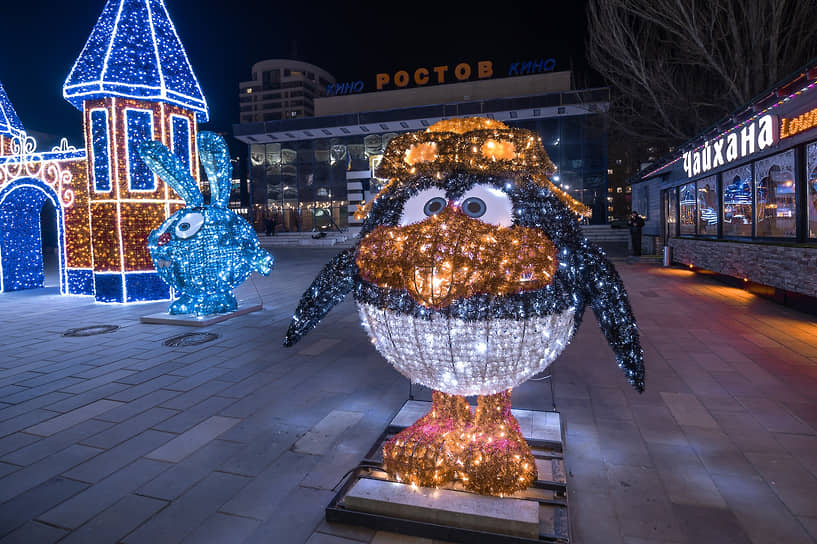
[
  {"x": 191, "y": 320},
  {"x": 518, "y": 517},
  {"x": 371, "y": 497}
]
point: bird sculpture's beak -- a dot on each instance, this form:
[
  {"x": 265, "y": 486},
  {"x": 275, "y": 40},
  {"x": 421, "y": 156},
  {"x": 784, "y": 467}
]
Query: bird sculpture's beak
[{"x": 451, "y": 256}]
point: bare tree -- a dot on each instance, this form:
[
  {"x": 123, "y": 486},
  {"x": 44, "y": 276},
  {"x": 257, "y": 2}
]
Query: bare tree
[{"x": 677, "y": 66}]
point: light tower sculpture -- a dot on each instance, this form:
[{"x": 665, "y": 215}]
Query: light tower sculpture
[
  {"x": 133, "y": 82},
  {"x": 10, "y": 125}
]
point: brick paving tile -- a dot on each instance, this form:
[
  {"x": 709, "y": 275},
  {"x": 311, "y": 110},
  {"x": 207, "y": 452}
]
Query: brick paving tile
[
  {"x": 70, "y": 419},
  {"x": 117, "y": 457},
  {"x": 192, "y": 439},
  {"x": 35, "y": 501},
  {"x": 34, "y": 532},
  {"x": 43, "y": 447},
  {"x": 87, "y": 504},
  {"x": 117, "y": 521},
  {"x": 183, "y": 475},
  {"x": 189, "y": 511},
  {"x": 37, "y": 473}
]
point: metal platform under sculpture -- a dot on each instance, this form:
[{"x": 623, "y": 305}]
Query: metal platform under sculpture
[
  {"x": 370, "y": 497},
  {"x": 191, "y": 320}
]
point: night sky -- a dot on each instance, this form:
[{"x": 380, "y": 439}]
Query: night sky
[{"x": 223, "y": 38}]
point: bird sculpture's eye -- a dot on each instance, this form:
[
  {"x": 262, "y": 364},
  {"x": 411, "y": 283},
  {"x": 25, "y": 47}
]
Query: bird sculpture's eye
[
  {"x": 435, "y": 206},
  {"x": 423, "y": 205},
  {"x": 189, "y": 225},
  {"x": 474, "y": 207},
  {"x": 488, "y": 204}
]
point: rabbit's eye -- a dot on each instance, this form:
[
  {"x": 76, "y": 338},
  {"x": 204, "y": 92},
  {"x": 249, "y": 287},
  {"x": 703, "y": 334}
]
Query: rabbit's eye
[{"x": 189, "y": 225}]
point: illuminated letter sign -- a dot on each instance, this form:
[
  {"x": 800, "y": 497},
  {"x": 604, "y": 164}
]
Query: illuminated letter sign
[
  {"x": 737, "y": 144},
  {"x": 335, "y": 89},
  {"x": 521, "y": 68},
  {"x": 423, "y": 76},
  {"x": 796, "y": 125}
]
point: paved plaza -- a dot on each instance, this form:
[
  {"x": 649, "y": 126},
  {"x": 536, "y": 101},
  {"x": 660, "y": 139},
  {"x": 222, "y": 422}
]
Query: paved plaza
[{"x": 119, "y": 438}]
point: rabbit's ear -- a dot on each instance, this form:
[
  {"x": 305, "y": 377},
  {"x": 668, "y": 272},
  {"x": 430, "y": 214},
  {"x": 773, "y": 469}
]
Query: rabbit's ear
[
  {"x": 172, "y": 170},
  {"x": 215, "y": 158}
]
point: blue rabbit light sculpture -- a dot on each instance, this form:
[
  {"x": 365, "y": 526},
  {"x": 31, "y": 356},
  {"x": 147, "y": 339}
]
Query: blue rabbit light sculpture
[{"x": 202, "y": 251}]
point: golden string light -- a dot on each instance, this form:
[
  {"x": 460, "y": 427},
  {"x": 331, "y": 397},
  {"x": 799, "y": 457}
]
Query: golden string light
[
  {"x": 485, "y": 450},
  {"x": 466, "y": 257},
  {"x": 478, "y": 146}
]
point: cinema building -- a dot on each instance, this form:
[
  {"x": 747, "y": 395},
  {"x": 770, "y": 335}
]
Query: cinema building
[
  {"x": 741, "y": 199},
  {"x": 310, "y": 173}
]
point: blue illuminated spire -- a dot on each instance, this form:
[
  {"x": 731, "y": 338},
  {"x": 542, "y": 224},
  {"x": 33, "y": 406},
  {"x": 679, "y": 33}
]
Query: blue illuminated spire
[
  {"x": 134, "y": 52},
  {"x": 10, "y": 124}
]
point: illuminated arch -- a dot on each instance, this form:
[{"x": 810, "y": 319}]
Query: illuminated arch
[{"x": 21, "y": 258}]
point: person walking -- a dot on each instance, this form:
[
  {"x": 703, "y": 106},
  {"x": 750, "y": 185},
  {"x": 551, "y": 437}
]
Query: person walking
[{"x": 636, "y": 223}]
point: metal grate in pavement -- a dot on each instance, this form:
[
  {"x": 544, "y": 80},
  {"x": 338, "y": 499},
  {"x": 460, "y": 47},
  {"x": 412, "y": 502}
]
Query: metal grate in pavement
[
  {"x": 91, "y": 330},
  {"x": 190, "y": 339}
]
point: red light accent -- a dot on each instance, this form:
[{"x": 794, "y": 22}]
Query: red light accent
[{"x": 163, "y": 239}]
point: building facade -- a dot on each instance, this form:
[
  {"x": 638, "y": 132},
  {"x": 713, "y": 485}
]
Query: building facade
[
  {"x": 308, "y": 174},
  {"x": 741, "y": 200},
  {"x": 281, "y": 89}
]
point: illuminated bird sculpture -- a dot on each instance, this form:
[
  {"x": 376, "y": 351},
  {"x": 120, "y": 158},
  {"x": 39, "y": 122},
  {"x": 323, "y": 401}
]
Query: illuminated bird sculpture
[
  {"x": 202, "y": 251},
  {"x": 471, "y": 275}
]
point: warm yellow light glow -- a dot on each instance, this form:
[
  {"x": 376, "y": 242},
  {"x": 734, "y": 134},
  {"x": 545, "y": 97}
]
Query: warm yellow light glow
[
  {"x": 494, "y": 150},
  {"x": 466, "y": 258},
  {"x": 476, "y": 145},
  {"x": 426, "y": 152},
  {"x": 484, "y": 450}
]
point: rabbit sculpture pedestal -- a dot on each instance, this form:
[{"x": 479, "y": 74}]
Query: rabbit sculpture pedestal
[{"x": 193, "y": 320}]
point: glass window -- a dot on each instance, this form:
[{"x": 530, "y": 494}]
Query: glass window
[
  {"x": 256, "y": 154},
  {"x": 708, "y": 207},
  {"x": 101, "y": 157},
  {"x": 775, "y": 192},
  {"x": 737, "y": 201},
  {"x": 181, "y": 139},
  {"x": 139, "y": 128},
  {"x": 688, "y": 201},
  {"x": 811, "y": 199},
  {"x": 671, "y": 211}
]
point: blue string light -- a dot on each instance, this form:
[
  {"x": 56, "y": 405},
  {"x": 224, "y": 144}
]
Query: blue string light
[
  {"x": 10, "y": 124},
  {"x": 21, "y": 263},
  {"x": 135, "y": 52},
  {"x": 202, "y": 251}
]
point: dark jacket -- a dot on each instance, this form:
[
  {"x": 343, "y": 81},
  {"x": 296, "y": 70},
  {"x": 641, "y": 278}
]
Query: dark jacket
[{"x": 636, "y": 223}]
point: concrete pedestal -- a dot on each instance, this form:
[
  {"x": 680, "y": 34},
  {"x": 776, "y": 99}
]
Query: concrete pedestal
[
  {"x": 190, "y": 320},
  {"x": 451, "y": 508},
  {"x": 451, "y": 513}
]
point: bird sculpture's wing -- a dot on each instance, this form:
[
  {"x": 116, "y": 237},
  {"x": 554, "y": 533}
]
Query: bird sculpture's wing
[
  {"x": 605, "y": 293},
  {"x": 327, "y": 290}
]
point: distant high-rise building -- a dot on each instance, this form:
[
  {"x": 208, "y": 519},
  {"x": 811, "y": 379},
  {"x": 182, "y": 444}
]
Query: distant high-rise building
[{"x": 281, "y": 89}]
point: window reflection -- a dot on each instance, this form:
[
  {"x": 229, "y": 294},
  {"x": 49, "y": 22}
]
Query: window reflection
[
  {"x": 671, "y": 211},
  {"x": 811, "y": 200},
  {"x": 775, "y": 196},
  {"x": 737, "y": 201},
  {"x": 688, "y": 201},
  {"x": 707, "y": 207}
]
